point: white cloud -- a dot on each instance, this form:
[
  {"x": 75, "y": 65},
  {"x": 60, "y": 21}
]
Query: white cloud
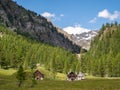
[
  {"x": 106, "y": 14},
  {"x": 48, "y": 15},
  {"x": 77, "y": 29},
  {"x": 52, "y": 16},
  {"x": 93, "y": 20}
]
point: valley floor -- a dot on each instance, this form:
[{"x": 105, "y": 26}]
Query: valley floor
[{"x": 9, "y": 82}]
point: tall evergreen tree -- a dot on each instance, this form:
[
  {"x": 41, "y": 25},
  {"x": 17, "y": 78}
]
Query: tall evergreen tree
[{"x": 20, "y": 75}]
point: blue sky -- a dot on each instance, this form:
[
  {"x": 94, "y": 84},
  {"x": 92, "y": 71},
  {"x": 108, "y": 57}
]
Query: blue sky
[{"x": 86, "y": 14}]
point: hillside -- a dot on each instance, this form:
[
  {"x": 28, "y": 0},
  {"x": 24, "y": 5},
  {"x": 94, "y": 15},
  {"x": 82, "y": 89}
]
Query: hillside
[
  {"x": 16, "y": 50},
  {"x": 103, "y": 58},
  {"x": 29, "y": 24}
]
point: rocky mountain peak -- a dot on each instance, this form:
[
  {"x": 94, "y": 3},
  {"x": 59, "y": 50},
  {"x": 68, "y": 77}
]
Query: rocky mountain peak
[{"x": 84, "y": 39}]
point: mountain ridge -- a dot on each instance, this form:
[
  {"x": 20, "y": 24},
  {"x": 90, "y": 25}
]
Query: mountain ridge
[{"x": 30, "y": 24}]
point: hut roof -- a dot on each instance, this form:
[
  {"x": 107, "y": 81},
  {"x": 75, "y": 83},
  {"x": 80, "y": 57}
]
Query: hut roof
[{"x": 37, "y": 72}]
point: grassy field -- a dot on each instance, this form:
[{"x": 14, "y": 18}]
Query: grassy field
[{"x": 9, "y": 82}]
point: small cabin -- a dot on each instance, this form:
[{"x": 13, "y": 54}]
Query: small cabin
[
  {"x": 80, "y": 76},
  {"x": 38, "y": 75},
  {"x": 71, "y": 76}
]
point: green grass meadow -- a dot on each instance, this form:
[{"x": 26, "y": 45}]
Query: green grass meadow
[{"x": 8, "y": 81}]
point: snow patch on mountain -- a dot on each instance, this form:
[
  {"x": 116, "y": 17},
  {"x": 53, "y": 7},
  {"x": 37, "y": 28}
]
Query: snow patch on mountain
[
  {"x": 77, "y": 29},
  {"x": 84, "y": 39},
  {"x": 81, "y": 36}
]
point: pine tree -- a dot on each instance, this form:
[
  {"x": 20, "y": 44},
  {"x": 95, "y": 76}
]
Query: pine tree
[
  {"x": 32, "y": 66},
  {"x": 20, "y": 75}
]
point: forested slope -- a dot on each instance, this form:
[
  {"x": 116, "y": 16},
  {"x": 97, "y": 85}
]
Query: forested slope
[
  {"x": 103, "y": 58},
  {"x": 16, "y": 50}
]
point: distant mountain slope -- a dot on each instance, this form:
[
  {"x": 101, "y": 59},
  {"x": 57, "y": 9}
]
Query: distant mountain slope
[
  {"x": 81, "y": 36},
  {"x": 84, "y": 39},
  {"x": 35, "y": 26}
]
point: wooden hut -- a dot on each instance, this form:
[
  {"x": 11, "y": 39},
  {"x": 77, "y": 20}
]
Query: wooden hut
[
  {"x": 38, "y": 75},
  {"x": 71, "y": 76}
]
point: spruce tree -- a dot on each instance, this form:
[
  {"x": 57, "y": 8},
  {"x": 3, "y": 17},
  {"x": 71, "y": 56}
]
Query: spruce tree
[
  {"x": 32, "y": 66},
  {"x": 20, "y": 76}
]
